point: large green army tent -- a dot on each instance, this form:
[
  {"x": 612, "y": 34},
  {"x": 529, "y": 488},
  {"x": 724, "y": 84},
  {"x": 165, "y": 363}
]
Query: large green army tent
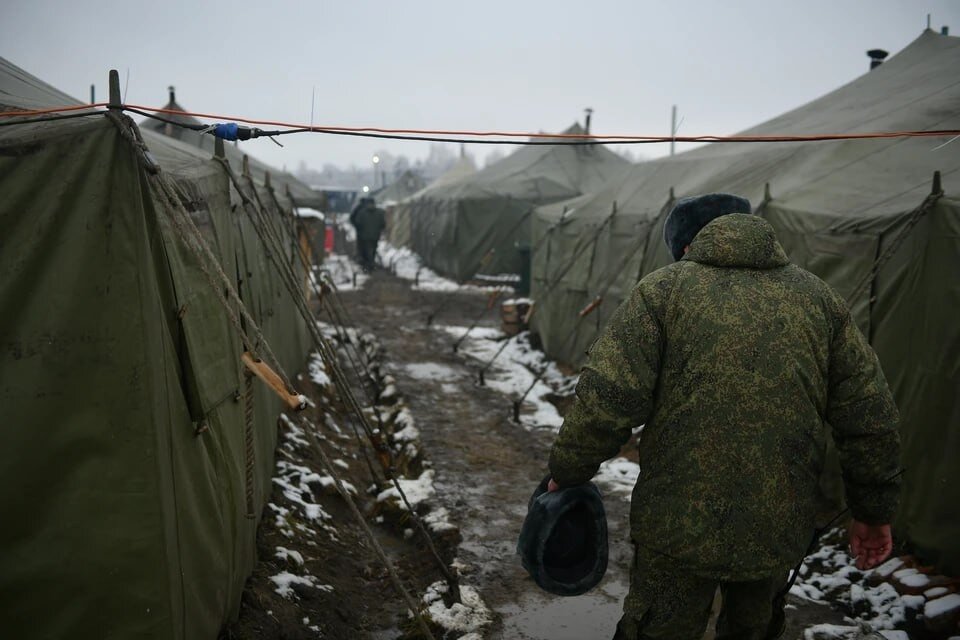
[
  {"x": 398, "y": 216},
  {"x": 407, "y": 183},
  {"x": 132, "y": 479},
  {"x": 454, "y": 225},
  {"x": 855, "y": 212}
]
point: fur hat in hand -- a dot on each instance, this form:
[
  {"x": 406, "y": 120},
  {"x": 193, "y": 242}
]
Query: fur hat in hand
[
  {"x": 690, "y": 215},
  {"x": 563, "y": 543}
]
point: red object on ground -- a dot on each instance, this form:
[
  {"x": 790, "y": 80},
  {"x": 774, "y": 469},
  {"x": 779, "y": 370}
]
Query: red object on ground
[{"x": 328, "y": 240}]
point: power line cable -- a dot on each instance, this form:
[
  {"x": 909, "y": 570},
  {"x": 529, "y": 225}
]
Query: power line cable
[{"x": 231, "y": 131}]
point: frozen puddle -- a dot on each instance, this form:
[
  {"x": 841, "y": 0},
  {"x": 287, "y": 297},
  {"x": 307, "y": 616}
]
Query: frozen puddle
[{"x": 592, "y": 615}]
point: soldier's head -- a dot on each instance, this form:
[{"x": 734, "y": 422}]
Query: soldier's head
[{"x": 690, "y": 215}]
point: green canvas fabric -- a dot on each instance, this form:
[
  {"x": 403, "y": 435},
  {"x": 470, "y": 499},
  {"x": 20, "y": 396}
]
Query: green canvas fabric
[
  {"x": 454, "y": 224},
  {"x": 404, "y": 186},
  {"x": 123, "y": 471},
  {"x": 21, "y": 91},
  {"x": 837, "y": 207},
  {"x": 80, "y": 329},
  {"x": 399, "y": 220}
]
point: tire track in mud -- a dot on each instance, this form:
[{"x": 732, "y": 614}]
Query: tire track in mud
[{"x": 485, "y": 465}]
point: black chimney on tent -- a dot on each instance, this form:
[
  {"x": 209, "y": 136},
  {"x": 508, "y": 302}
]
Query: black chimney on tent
[
  {"x": 586, "y": 125},
  {"x": 172, "y": 97},
  {"x": 876, "y": 57}
]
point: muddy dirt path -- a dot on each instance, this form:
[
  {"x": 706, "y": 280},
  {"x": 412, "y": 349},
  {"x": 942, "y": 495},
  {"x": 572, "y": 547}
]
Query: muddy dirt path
[{"x": 485, "y": 465}]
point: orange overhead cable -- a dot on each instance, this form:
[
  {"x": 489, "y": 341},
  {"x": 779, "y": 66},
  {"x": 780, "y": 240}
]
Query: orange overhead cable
[{"x": 508, "y": 134}]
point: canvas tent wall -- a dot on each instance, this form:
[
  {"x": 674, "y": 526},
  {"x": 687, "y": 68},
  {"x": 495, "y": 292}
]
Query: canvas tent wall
[
  {"x": 398, "y": 219},
  {"x": 129, "y": 508},
  {"x": 453, "y": 226},
  {"x": 407, "y": 183},
  {"x": 838, "y": 208}
]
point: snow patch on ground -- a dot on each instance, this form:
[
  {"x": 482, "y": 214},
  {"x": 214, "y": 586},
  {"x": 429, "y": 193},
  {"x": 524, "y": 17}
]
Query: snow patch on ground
[
  {"x": 470, "y": 616},
  {"x": 284, "y": 582},
  {"x": 938, "y": 607},
  {"x": 514, "y": 371},
  {"x": 431, "y": 371},
  {"x": 438, "y": 520},
  {"x": 288, "y": 554},
  {"x": 318, "y": 370},
  {"x": 407, "y": 265},
  {"x": 829, "y": 575},
  {"x": 618, "y": 476},
  {"x": 342, "y": 272},
  {"x": 416, "y": 489}
]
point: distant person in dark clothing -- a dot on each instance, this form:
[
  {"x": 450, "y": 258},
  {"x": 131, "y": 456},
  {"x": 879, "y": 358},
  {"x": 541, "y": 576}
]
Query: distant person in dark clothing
[{"x": 368, "y": 220}]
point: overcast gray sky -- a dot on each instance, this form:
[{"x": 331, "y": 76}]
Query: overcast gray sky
[{"x": 490, "y": 64}]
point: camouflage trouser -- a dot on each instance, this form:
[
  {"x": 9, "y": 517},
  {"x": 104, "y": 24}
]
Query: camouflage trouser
[{"x": 667, "y": 603}]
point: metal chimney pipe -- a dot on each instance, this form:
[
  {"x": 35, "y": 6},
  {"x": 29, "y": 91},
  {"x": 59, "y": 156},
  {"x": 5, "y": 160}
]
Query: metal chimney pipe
[
  {"x": 172, "y": 97},
  {"x": 876, "y": 57},
  {"x": 586, "y": 120},
  {"x": 93, "y": 94}
]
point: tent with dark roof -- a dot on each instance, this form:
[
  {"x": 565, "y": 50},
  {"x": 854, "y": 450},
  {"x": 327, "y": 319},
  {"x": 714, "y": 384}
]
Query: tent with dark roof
[
  {"x": 867, "y": 216},
  {"x": 137, "y": 456},
  {"x": 455, "y": 225}
]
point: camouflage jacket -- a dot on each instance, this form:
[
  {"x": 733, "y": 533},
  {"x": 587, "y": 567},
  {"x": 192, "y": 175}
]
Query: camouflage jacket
[{"x": 739, "y": 364}]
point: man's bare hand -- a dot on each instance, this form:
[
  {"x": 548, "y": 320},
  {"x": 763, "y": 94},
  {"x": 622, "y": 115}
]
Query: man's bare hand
[{"x": 870, "y": 543}]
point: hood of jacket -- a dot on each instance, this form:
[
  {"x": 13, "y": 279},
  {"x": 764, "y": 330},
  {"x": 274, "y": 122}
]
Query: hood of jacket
[{"x": 738, "y": 240}]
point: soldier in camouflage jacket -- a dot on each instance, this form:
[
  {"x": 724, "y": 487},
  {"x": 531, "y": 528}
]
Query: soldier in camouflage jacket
[{"x": 738, "y": 363}]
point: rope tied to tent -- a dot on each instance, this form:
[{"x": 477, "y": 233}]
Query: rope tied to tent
[
  {"x": 815, "y": 539},
  {"x": 342, "y": 490},
  {"x": 374, "y": 436},
  {"x": 192, "y": 239},
  {"x": 248, "y": 443},
  {"x": 273, "y": 249},
  {"x": 582, "y": 314},
  {"x": 936, "y": 192},
  {"x": 576, "y": 254}
]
